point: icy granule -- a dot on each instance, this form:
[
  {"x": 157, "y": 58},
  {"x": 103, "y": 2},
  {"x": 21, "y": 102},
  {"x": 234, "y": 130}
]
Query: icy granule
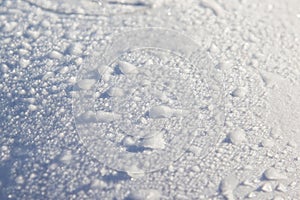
[{"x": 140, "y": 103}]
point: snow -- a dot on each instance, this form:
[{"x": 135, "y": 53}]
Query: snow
[
  {"x": 237, "y": 136},
  {"x": 128, "y": 141},
  {"x": 281, "y": 188},
  {"x": 228, "y": 185},
  {"x": 239, "y": 92},
  {"x": 93, "y": 105},
  {"x": 160, "y": 112},
  {"x": 32, "y": 107},
  {"x": 145, "y": 195},
  {"x": 86, "y": 84},
  {"x": 216, "y": 8},
  {"x": 115, "y": 92},
  {"x": 278, "y": 198},
  {"x": 251, "y": 195},
  {"x": 4, "y": 68},
  {"x": 267, "y": 187},
  {"x": 20, "y": 180},
  {"x": 127, "y": 68},
  {"x": 269, "y": 143},
  {"x": 134, "y": 172},
  {"x": 107, "y": 116},
  {"x": 75, "y": 49},
  {"x": 274, "y": 174},
  {"x": 24, "y": 62},
  {"x": 55, "y": 55},
  {"x": 154, "y": 141}
]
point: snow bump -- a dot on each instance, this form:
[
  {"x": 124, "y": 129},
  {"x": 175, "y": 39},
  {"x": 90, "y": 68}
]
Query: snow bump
[
  {"x": 237, "y": 136},
  {"x": 86, "y": 84},
  {"x": 127, "y": 68},
  {"x": 274, "y": 174},
  {"x": 107, "y": 116},
  {"x": 160, "y": 112},
  {"x": 115, "y": 92},
  {"x": 154, "y": 141}
]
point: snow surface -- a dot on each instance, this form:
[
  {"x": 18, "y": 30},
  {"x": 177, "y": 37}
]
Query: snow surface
[{"x": 97, "y": 105}]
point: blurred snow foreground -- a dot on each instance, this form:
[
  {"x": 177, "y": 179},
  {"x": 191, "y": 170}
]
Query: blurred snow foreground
[{"x": 96, "y": 104}]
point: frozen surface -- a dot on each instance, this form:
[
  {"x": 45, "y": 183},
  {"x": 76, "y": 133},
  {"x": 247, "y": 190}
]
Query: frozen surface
[{"x": 214, "y": 116}]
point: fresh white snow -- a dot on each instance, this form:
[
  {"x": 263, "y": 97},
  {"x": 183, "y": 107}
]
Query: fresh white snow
[{"x": 96, "y": 104}]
